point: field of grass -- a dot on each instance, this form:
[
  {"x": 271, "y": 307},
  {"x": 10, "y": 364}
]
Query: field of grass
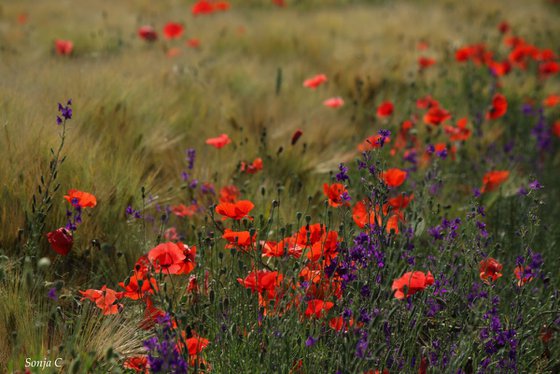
[{"x": 326, "y": 304}]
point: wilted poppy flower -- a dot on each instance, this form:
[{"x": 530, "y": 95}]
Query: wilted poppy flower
[
  {"x": 147, "y": 33},
  {"x": 315, "y": 81},
  {"x": 105, "y": 299},
  {"x": 499, "y": 107},
  {"x": 296, "y": 135},
  {"x": 63, "y": 47},
  {"x": 503, "y": 27},
  {"x": 493, "y": 179},
  {"x": 237, "y": 210},
  {"x": 334, "y": 193},
  {"x": 173, "y": 30},
  {"x": 61, "y": 241},
  {"x": 219, "y": 142},
  {"x": 436, "y": 115},
  {"x": 167, "y": 257},
  {"x": 151, "y": 316},
  {"x": 80, "y": 199},
  {"x": 425, "y": 62},
  {"x": 385, "y": 109},
  {"x": 393, "y": 177},
  {"x": 182, "y": 210},
  {"x": 490, "y": 270},
  {"x": 411, "y": 282},
  {"x": 317, "y": 308},
  {"x": 334, "y": 102},
  {"x": 521, "y": 275}
]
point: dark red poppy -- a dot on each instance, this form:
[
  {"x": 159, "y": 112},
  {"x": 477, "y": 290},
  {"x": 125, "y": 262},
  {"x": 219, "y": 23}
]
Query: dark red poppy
[
  {"x": 504, "y": 27},
  {"x": 61, "y": 241},
  {"x": 499, "y": 107},
  {"x": 253, "y": 167},
  {"x": 436, "y": 115},
  {"x": 147, "y": 33},
  {"x": 296, "y": 135},
  {"x": 63, "y": 47}
]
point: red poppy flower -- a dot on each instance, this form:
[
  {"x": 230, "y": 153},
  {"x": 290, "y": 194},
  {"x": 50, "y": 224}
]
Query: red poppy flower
[
  {"x": 252, "y": 168},
  {"x": 63, "y": 47},
  {"x": 422, "y": 45},
  {"x": 326, "y": 247},
  {"x": 237, "y": 239},
  {"x": 261, "y": 280},
  {"x": 236, "y": 211},
  {"x": 339, "y": 324},
  {"x": 425, "y": 62},
  {"x": 435, "y": 116},
  {"x": 317, "y": 308},
  {"x": 372, "y": 142},
  {"x": 188, "y": 263},
  {"x": 196, "y": 344},
  {"x": 412, "y": 282},
  {"x": 504, "y": 27},
  {"x": 490, "y": 270},
  {"x": 61, "y": 241},
  {"x": 151, "y": 316},
  {"x": 193, "y": 43},
  {"x": 221, "y": 6},
  {"x": 137, "y": 363},
  {"x": 385, "y": 109},
  {"x": 499, "y": 107},
  {"x": 167, "y": 257},
  {"x": 556, "y": 129},
  {"x": 400, "y": 202},
  {"x": 427, "y": 102},
  {"x": 138, "y": 286},
  {"x": 81, "y": 199},
  {"x": 147, "y": 33},
  {"x": 549, "y": 68},
  {"x": 394, "y": 177},
  {"x": 229, "y": 194},
  {"x": 551, "y": 100},
  {"x": 522, "y": 278},
  {"x": 219, "y": 142},
  {"x": 105, "y": 299},
  {"x": 476, "y": 53},
  {"x": 202, "y": 7},
  {"x": 459, "y": 133},
  {"x": 361, "y": 216},
  {"x": 173, "y": 30},
  {"x": 315, "y": 81},
  {"x": 296, "y": 135},
  {"x": 493, "y": 179},
  {"x": 310, "y": 234},
  {"x": 22, "y": 18},
  {"x": 334, "y": 193},
  {"x": 334, "y": 102},
  {"x": 173, "y": 52},
  {"x": 182, "y": 210},
  {"x": 279, "y": 3},
  {"x": 500, "y": 68}
]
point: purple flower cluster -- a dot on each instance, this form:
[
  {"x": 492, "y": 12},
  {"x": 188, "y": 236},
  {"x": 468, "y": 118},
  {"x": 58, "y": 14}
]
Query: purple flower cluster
[
  {"x": 163, "y": 355},
  {"x": 342, "y": 175},
  {"x": 446, "y": 231},
  {"x": 65, "y": 112},
  {"x": 191, "y": 156}
]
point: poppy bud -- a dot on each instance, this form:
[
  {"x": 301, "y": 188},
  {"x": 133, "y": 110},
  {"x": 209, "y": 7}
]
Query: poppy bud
[{"x": 61, "y": 241}]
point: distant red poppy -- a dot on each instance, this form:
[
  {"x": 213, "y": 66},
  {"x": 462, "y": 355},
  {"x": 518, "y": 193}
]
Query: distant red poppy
[
  {"x": 253, "y": 167},
  {"x": 296, "y": 135},
  {"x": 229, "y": 194},
  {"x": 411, "y": 282},
  {"x": 422, "y": 45},
  {"x": 147, "y": 33},
  {"x": 202, "y": 7},
  {"x": 385, "y": 109},
  {"x": 499, "y": 107},
  {"x": 317, "y": 308},
  {"x": 551, "y": 101},
  {"x": 490, "y": 270},
  {"x": 499, "y": 68},
  {"x": 81, "y": 199},
  {"x": 22, "y": 18},
  {"x": 459, "y": 133},
  {"x": 182, "y": 210},
  {"x": 394, "y": 177},
  {"x": 425, "y": 62},
  {"x": 63, "y": 47},
  {"x": 173, "y": 30},
  {"x": 372, "y": 142},
  {"x": 556, "y": 129},
  {"x": 280, "y": 3},
  {"x": 504, "y": 27},
  {"x": 219, "y": 142},
  {"x": 436, "y": 115},
  {"x": 315, "y": 81},
  {"x": 173, "y": 52},
  {"x": 61, "y": 241},
  {"x": 137, "y": 363},
  {"x": 221, "y": 6},
  {"x": 167, "y": 257},
  {"x": 493, "y": 179},
  {"x": 426, "y": 102},
  {"x": 193, "y": 43},
  {"x": 334, "y": 102},
  {"x": 236, "y": 211},
  {"x": 334, "y": 193},
  {"x": 549, "y": 68}
]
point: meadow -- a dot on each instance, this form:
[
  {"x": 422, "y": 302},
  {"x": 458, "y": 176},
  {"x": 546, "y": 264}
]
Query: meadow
[{"x": 262, "y": 186}]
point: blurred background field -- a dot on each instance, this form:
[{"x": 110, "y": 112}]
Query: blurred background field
[{"x": 138, "y": 106}]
